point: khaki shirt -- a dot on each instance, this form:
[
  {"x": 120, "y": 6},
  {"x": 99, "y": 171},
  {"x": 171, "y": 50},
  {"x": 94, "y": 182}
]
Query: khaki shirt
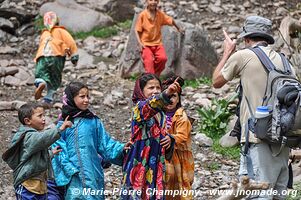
[{"x": 245, "y": 65}]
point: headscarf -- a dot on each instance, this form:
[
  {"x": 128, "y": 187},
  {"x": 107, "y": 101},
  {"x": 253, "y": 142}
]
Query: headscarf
[
  {"x": 141, "y": 82},
  {"x": 50, "y": 20},
  {"x": 69, "y": 106}
]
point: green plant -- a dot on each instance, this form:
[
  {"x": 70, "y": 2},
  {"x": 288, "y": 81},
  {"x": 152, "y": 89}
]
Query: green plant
[
  {"x": 194, "y": 83},
  {"x": 214, "y": 120},
  {"x": 103, "y": 32},
  {"x": 213, "y": 166},
  {"x": 229, "y": 152},
  {"x": 295, "y": 194}
]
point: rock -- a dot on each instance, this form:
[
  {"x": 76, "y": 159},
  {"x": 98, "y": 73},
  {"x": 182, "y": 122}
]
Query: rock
[
  {"x": 85, "y": 59},
  {"x": 203, "y": 140},
  {"x": 228, "y": 141},
  {"x": 189, "y": 56},
  {"x": 12, "y": 81},
  {"x": 76, "y": 17},
  {"x": 22, "y": 74},
  {"x": 8, "y": 50},
  {"x": 5, "y": 105}
]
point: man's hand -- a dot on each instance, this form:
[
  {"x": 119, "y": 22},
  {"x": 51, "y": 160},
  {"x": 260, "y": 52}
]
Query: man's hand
[
  {"x": 66, "y": 124},
  {"x": 229, "y": 44}
]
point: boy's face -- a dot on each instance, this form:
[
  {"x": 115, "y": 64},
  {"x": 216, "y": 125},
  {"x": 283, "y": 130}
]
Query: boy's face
[
  {"x": 152, "y": 4},
  {"x": 37, "y": 120}
]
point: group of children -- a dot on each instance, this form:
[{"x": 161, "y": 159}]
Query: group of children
[{"x": 53, "y": 163}]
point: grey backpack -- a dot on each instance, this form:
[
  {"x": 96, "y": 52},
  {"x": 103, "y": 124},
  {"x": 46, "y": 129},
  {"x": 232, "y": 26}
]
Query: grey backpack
[{"x": 282, "y": 96}]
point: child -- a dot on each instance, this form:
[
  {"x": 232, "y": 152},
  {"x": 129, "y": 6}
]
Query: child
[
  {"x": 78, "y": 166},
  {"x": 148, "y": 33},
  {"x": 28, "y": 155},
  {"x": 180, "y": 169},
  {"x": 55, "y": 44},
  {"x": 144, "y": 165}
]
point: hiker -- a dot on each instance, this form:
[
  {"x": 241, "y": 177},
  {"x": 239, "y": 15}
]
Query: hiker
[
  {"x": 258, "y": 162},
  {"x": 180, "y": 169},
  {"x": 144, "y": 165},
  {"x": 55, "y": 45},
  {"x": 28, "y": 155},
  {"x": 84, "y": 146},
  {"x": 148, "y": 33}
]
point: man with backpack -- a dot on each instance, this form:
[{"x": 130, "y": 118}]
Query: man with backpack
[{"x": 258, "y": 159}]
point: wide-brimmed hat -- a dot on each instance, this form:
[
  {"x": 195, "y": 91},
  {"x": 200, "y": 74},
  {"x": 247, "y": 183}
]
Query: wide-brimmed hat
[{"x": 256, "y": 26}]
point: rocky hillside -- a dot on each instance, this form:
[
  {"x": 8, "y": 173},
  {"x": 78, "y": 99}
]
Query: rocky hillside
[{"x": 111, "y": 95}]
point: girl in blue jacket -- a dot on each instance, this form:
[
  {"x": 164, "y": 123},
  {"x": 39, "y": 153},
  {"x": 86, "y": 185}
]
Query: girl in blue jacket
[{"x": 78, "y": 166}]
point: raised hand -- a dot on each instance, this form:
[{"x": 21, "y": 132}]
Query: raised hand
[
  {"x": 66, "y": 124},
  {"x": 173, "y": 88},
  {"x": 229, "y": 44}
]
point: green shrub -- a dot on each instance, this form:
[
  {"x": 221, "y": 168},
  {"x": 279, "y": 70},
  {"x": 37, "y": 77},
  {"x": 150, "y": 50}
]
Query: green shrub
[
  {"x": 214, "y": 120},
  {"x": 296, "y": 194},
  {"x": 213, "y": 123}
]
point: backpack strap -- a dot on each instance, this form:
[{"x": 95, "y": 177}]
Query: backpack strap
[
  {"x": 267, "y": 63},
  {"x": 264, "y": 59},
  {"x": 286, "y": 65}
]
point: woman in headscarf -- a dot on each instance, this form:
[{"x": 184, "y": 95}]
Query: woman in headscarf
[{"x": 55, "y": 44}]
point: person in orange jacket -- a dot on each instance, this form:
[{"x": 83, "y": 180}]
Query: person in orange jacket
[
  {"x": 180, "y": 169},
  {"x": 148, "y": 34},
  {"x": 55, "y": 44}
]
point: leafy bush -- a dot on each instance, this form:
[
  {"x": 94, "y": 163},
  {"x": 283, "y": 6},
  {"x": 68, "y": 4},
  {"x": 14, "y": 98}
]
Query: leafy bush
[{"x": 214, "y": 120}]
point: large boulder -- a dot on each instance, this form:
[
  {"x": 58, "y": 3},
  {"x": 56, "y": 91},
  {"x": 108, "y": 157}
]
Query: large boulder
[
  {"x": 119, "y": 10},
  {"x": 189, "y": 56},
  {"x": 76, "y": 17}
]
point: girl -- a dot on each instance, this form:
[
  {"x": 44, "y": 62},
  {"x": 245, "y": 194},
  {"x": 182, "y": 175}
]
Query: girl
[
  {"x": 180, "y": 169},
  {"x": 78, "y": 166},
  {"x": 55, "y": 44},
  {"x": 144, "y": 165}
]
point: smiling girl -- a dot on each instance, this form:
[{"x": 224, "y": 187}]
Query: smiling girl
[{"x": 78, "y": 166}]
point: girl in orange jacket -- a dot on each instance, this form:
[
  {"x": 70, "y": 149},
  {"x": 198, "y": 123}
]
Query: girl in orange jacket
[
  {"x": 55, "y": 44},
  {"x": 180, "y": 169}
]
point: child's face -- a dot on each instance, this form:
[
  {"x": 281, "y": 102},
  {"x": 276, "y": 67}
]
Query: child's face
[
  {"x": 151, "y": 88},
  {"x": 152, "y": 4},
  {"x": 82, "y": 99},
  {"x": 37, "y": 120},
  {"x": 175, "y": 100}
]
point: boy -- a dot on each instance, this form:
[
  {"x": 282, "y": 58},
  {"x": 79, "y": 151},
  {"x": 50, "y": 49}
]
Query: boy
[
  {"x": 55, "y": 44},
  {"x": 148, "y": 33},
  {"x": 28, "y": 155}
]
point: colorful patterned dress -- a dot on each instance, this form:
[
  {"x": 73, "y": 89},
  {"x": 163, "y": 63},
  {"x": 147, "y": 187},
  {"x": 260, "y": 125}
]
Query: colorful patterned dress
[{"x": 144, "y": 164}]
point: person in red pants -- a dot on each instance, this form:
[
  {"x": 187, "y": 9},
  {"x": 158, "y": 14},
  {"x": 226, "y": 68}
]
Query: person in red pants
[{"x": 148, "y": 33}]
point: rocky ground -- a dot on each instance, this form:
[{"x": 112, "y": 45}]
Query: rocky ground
[{"x": 111, "y": 95}]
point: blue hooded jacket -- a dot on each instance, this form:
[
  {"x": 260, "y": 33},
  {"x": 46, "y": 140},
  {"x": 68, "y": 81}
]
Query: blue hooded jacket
[{"x": 79, "y": 165}]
